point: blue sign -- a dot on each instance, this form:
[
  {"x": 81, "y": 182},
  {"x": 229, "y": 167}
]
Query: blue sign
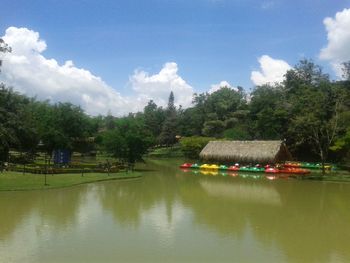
[{"x": 61, "y": 156}]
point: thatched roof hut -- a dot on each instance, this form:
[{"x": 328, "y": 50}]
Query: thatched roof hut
[{"x": 245, "y": 152}]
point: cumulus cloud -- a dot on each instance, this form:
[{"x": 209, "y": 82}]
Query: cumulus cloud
[
  {"x": 224, "y": 83},
  {"x": 30, "y": 72},
  {"x": 271, "y": 71},
  {"x": 159, "y": 86},
  {"x": 338, "y": 35}
]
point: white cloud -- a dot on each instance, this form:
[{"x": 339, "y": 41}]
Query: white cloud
[
  {"x": 271, "y": 71},
  {"x": 338, "y": 35},
  {"x": 30, "y": 72},
  {"x": 159, "y": 86},
  {"x": 224, "y": 83}
]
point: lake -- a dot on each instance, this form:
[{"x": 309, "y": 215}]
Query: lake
[{"x": 173, "y": 216}]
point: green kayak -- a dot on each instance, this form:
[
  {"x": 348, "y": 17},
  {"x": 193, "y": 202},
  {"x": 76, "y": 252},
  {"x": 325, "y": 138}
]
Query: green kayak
[
  {"x": 315, "y": 165},
  {"x": 223, "y": 167},
  {"x": 195, "y": 166},
  {"x": 252, "y": 169}
]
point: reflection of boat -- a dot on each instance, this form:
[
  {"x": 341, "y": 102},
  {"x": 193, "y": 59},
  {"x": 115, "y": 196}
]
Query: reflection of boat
[
  {"x": 232, "y": 173},
  {"x": 252, "y": 193},
  {"x": 209, "y": 172},
  {"x": 186, "y": 165},
  {"x": 250, "y": 175},
  {"x": 272, "y": 177},
  {"x": 185, "y": 170}
]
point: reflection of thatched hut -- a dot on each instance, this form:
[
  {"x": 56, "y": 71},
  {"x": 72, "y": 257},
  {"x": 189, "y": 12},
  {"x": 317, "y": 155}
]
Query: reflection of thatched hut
[{"x": 245, "y": 151}]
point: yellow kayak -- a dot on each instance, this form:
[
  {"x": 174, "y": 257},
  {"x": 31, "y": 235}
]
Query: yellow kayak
[
  {"x": 209, "y": 166},
  {"x": 204, "y": 166}
]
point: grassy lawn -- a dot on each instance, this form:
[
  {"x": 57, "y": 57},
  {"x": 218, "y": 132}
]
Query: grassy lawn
[
  {"x": 10, "y": 181},
  {"x": 166, "y": 152}
]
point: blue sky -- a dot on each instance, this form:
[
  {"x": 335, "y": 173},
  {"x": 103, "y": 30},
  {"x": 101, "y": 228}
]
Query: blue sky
[{"x": 209, "y": 40}]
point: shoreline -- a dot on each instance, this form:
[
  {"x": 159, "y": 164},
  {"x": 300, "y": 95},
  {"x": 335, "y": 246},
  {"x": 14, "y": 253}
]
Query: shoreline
[{"x": 17, "y": 182}]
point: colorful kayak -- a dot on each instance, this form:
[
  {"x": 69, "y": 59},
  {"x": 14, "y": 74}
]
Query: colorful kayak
[
  {"x": 294, "y": 171},
  {"x": 209, "y": 166},
  {"x": 252, "y": 169},
  {"x": 186, "y": 165},
  {"x": 195, "y": 166},
  {"x": 292, "y": 165},
  {"x": 213, "y": 167},
  {"x": 223, "y": 167},
  {"x": 233, "y": 168},
  {"x": 272, "y": 170},
  {"x": 315, "y": 166}
]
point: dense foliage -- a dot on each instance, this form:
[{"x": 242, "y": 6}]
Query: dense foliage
[{"x": 308, "y": 110}]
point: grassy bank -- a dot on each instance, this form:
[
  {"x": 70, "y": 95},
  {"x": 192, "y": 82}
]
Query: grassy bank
[
  {"x": 166, "y": 152},
  {"x": 13, "y": 181}
]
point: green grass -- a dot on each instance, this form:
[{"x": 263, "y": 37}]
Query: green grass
[
  {"x": 165, "y": 152},
  {"x": 14, "y": 181}
]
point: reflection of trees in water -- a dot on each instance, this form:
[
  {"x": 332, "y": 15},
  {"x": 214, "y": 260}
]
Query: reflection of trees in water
[
  {"x": 128, "y": 200},
  {"x": 313, "y": 225},
  {"x": 310, "y": 224},
  {"x": 15, "y": 206},
  {"x": 56, "y": 208}
]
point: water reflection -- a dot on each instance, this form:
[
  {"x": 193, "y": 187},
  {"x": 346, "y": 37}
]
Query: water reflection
[
  {"x": 56, "y": 208},
  {"x": 309, "y": 221},
  {"x": 179, "y": 216}
]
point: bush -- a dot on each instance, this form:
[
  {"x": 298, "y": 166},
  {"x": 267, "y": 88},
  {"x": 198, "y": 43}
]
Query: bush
[{"x": 192, "y": 146}]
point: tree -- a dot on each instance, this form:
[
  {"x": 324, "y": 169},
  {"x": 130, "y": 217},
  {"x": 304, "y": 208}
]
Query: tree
[
  {"x": 213, "y": 128},
  {"x": 346, "y": 70},
  {"x": 154, "y": 117},
  {"x": 4, "y": 48},
  {"x": 315, "y": 119},
  {"x": 17, "y": 127},
  {"x": 192, "y": 146},
  {"x": 129, "y": 141},
  {"x": 269, "y": 113},
  {"x": 169, "y": 129}
]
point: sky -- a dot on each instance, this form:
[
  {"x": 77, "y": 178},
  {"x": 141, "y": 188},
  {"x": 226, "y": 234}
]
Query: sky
[{"x": 114, "y": 56}]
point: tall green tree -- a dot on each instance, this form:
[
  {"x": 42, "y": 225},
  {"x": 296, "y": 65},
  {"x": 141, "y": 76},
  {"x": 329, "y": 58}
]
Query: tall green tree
[
  {"x": 316, "y": 107},
  {"x": 269, "y": 113},
  {"x": 17, "y": 127},
  {"x": 169, "y": 130},
  {"x": 128, "y": 141},
  {"x": 154, "y": 117}
]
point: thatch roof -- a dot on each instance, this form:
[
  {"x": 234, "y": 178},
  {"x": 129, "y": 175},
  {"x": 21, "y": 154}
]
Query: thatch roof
[{"x": 246, "y": 151}]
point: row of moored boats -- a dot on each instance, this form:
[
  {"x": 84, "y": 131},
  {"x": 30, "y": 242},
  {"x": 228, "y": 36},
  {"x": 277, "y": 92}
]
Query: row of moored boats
[{"x": 286, "y": 168}]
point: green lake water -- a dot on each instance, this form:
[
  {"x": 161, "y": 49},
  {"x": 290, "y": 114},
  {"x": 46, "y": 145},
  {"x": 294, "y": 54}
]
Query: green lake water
[{"x": 173, "y": 216}]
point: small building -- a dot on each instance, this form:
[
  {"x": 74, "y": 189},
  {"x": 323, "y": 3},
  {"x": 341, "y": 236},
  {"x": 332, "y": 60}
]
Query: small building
[{"x": 245, "y": 152}]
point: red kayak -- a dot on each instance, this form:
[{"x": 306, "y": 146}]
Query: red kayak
[
  {"x": 292, "y": 165},
  {"x": 186, "y": 165},
  {"x": 233, "y": 168},
  {"x": 272, "y": 170}
]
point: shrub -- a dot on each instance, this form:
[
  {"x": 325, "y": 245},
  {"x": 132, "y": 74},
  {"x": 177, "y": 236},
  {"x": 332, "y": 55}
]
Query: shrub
[{"x": 192, "y": 146}]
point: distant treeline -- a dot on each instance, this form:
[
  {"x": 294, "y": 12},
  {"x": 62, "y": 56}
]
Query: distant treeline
[{"x": 308, "y": 110}]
